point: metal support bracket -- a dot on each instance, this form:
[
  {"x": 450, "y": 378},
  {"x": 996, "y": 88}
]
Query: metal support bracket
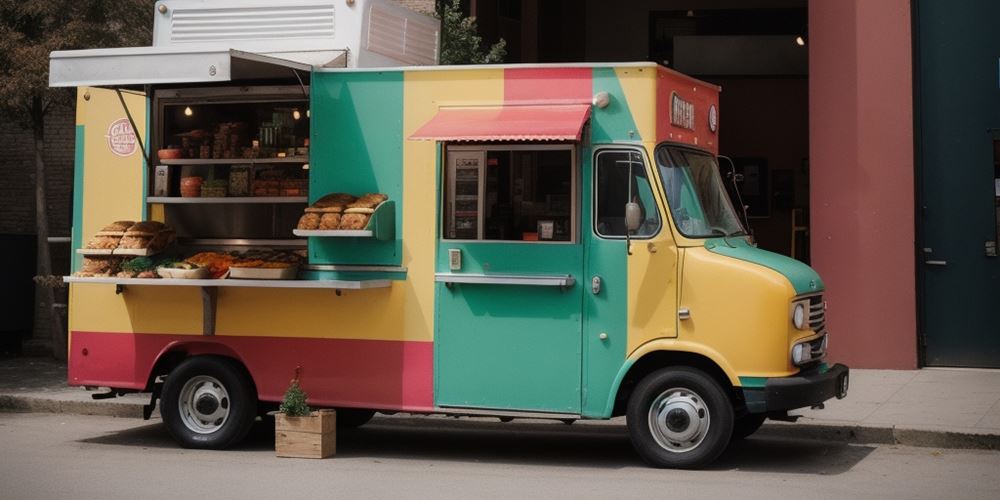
[{"x": 209, "y": 301}]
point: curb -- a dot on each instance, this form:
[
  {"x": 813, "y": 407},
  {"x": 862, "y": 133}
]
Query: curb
[
  {"x": 843, "y": 433},
  {"x": 19, "y": 403},
  {"x": 857, "y": 434}
]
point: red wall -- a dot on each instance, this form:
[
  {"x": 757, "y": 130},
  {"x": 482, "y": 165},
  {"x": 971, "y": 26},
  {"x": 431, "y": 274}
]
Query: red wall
[{"x": 862, "y": 178}]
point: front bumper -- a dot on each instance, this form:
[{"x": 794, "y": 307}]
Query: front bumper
[{"x": 800, "y": 391}]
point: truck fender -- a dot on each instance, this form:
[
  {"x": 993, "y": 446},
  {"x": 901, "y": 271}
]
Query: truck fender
[
  {"x": 175, "y": 351},
  {"x": 667, "y": 345}
]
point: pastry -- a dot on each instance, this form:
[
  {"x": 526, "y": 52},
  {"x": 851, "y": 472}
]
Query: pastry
[
  {"x": 370, "y": 200},
  {"x": 333, "y": 209},
  {"x": 359, "y": 211},
  {"x": 333, "y": 199},
  {"x": 116, "y": 228},
  {"x": 104, "y": 242},
  {"x": 99, "y": 266},
  {"x": 309, "y": 221},
  {"x": 329, "y": 221},
  {"x": 353, "y": 221},
  {"x": 145, "y": 228}
]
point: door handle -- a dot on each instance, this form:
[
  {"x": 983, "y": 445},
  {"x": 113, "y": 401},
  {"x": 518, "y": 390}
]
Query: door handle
[
  {"x": 595, "y": 285},
  {"x": 927, "y": 252}
]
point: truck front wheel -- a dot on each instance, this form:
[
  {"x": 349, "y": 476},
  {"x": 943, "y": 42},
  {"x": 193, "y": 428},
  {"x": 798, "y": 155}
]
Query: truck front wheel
[
  {"x": 208, "y": 402},
  {"x": 680, "y": 418}
]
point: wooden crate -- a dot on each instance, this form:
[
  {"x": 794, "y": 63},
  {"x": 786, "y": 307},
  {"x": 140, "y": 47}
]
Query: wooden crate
[{"x": 314, "y": 436}]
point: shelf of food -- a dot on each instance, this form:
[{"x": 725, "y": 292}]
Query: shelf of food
[
  {"x": 294, "y": 160},
  {"x": 241, "y": 242},
  {"x": 224, "y": 199},
  {"x": 235, "y": 283}
]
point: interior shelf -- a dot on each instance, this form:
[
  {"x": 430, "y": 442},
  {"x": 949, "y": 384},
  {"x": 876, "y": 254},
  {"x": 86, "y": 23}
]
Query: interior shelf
[
  {"x": 216, "y": 200},
  {"x": 295, "y": 160}
]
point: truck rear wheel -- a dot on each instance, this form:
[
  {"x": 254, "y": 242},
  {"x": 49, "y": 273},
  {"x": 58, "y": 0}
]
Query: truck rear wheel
[
  {"x": 679, "y": 418},
  {"x": 208, "y": 402}
]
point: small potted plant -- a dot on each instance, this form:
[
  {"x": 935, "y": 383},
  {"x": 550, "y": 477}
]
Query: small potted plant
[{"x": 300, "y": 432}]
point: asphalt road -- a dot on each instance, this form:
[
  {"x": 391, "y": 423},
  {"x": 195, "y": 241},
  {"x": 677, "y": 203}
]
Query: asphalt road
[{"x": 84, "y": 457}]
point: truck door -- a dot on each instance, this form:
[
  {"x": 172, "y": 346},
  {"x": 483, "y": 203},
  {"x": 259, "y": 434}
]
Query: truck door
[
  {"x": 631, "y": 293},
  {"x": 509, "y": 279}
]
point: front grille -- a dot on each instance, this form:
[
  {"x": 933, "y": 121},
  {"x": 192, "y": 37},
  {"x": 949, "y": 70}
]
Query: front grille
[
  {"x": 817, "y": 323},
  {"x": 817, "y": 314}
]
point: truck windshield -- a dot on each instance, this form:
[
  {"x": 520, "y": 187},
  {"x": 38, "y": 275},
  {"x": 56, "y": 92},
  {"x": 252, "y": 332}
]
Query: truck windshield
[{"x": 697, "y": 198}]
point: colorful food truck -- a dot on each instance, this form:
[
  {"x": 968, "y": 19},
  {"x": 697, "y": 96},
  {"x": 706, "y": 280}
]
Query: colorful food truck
[{"x": 545, "y": 241}]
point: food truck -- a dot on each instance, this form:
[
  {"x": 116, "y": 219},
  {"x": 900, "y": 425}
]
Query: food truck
[{"x": 540, "y": 241}]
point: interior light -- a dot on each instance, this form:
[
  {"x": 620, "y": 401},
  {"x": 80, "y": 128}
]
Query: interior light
[
  {"x": 188, "y": 111},
  {"x": 307, "y": 113},
  {"x": 305, "y": 166},
  {"x": 296, "y": 115},
  {"x": 800, "y": 41}
]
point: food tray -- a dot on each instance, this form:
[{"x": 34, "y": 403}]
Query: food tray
[
  {"x": 333, "y": 232},
  {"x": 140, "y": 252},
  {"x": 95, "y": 251},
  {"x": 189, "y": 274},
  {"x": 262, "y": 273}
]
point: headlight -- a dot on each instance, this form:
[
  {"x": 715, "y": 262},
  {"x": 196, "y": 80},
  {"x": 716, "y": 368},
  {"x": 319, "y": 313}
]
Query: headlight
[
  {"x": 799, "y": 315},
  {"x": 801, "y": 353}
]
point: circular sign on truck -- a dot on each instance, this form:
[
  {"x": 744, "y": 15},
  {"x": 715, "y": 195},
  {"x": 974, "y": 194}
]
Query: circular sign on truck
[{"x": 121, "y": 137}]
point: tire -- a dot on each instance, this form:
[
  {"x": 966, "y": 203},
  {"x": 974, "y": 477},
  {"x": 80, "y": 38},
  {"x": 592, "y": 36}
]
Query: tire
[
  {"x": 746, "y": 425},
  {"x": 352, "y": 418},
  {"x": 208, "y": 402},
  {"x": 679, "y": 418}
]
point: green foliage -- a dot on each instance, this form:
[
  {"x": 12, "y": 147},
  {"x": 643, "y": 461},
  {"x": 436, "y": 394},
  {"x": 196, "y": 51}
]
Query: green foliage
[
  {"x": 30, "y": 30},
  {"x": 460, "y": 40},
  {"x": 294, "y": 402}
]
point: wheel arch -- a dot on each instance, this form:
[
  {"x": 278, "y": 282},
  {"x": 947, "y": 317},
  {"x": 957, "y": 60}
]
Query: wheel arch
[
  {"x": 662, "y": 354},
  {"x": 176, "y": 352}
]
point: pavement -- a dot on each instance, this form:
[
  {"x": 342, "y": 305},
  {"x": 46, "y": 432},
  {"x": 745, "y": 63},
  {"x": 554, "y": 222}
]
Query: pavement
[{"x": 930, "y": 407}]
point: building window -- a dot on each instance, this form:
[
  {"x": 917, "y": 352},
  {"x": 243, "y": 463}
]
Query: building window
[
  {"x": 620, "y": 177},
  {"x": 510, "y": 193}
]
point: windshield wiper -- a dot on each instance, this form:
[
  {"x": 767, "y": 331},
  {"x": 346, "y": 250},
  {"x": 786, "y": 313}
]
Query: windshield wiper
[{"x": 725, "y": 235}]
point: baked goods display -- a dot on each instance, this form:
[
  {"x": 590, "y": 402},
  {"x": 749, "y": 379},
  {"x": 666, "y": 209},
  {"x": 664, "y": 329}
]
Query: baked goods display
[
  {"x": 145, "y": 238},
  {"x": 266, "y": 264},
  {"x": 129, "y": 238},
  {"x": 99, "y": 267},
  {"x": 340, "y": 212}
]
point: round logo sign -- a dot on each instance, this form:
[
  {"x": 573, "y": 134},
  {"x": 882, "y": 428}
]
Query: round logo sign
[
  {"x": 121, "y": 138},
  {"x": 713, "y": 118}
]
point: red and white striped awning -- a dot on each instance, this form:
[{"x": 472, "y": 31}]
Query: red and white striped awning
[{"x": 562, "y": 122}]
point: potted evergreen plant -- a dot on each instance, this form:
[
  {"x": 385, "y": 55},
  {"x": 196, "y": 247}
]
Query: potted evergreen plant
[{"x": 300, "y": 432}]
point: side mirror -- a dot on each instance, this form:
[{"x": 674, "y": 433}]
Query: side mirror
[{"x": 633, "y": 217}]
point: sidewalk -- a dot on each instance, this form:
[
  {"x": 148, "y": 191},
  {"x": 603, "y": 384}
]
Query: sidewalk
[{"x": 947, "y": 408}]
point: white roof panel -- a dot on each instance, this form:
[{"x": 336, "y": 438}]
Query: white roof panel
[{"x": 192, "y": 64}]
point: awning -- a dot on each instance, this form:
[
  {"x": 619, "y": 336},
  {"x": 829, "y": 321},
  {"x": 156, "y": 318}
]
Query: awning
[
  {"x": 507, "y": 123},
  {"x": 134, "y": 66}
]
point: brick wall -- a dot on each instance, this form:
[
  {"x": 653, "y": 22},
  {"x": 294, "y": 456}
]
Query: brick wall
[{"x": 17, "y": 192}]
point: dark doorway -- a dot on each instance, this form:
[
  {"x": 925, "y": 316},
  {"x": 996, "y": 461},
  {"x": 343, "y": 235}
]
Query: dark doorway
[{"x": 958, "y": 155}]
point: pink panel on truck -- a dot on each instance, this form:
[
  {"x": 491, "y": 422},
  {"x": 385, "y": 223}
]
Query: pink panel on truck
[
  {"x": 549, "y": 85},
  {"x": 687, "y": 110},
  {"x": 377, "y": 374}
]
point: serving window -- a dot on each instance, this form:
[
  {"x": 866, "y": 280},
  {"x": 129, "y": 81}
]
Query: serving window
[{"x": 510, "y": 193}]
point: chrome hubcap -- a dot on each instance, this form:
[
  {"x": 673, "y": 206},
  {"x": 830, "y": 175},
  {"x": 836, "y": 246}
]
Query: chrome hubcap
[
  {"x": 679, "y": 420},
  {"x": 204, "y": 404}
]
